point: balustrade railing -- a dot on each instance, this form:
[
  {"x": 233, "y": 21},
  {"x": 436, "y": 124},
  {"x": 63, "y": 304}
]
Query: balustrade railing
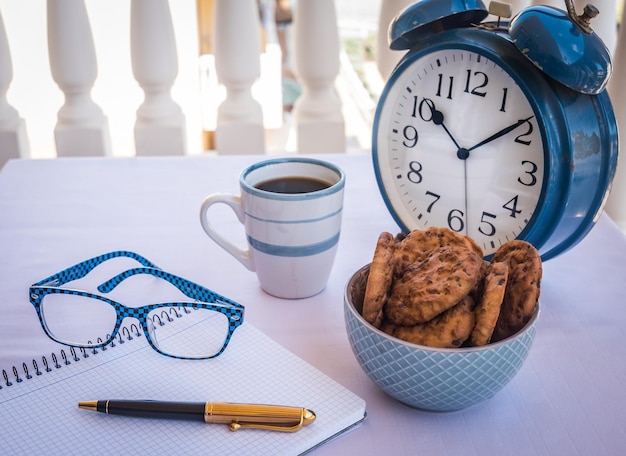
[{"x": 122, "y": 77}]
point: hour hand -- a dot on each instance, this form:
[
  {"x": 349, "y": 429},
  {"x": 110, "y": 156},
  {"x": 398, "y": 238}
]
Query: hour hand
[{"x": 437, "y": 118}]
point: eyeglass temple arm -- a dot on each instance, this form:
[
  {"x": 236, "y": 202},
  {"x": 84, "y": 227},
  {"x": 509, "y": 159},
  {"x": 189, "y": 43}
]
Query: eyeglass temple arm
[
  {"x": 190, "y": 289},
  {"x": 80, "y": 270}
]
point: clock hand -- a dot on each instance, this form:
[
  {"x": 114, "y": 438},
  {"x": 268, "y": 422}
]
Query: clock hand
[
  {"x": 502, "y": 132},
  {"x": 437, "y": 118}
]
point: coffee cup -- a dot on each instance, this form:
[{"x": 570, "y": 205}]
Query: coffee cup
[{"x": 291, "y": 210}]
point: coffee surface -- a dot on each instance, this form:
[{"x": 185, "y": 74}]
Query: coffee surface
[{"x": 293, "y": 184}]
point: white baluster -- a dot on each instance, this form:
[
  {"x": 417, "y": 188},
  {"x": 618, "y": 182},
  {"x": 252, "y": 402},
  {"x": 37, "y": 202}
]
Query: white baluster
[
  {"x": 239, "y": 127},
  {"x": 616, "y": 206},
  {"x": 555, "y": 3},
  {"x": 13, "y": 138},
  {"x": 517, "y": 5},
  {"x": 319, "y": 121},
  {"x": 269, "y": 86},
  {"x": 82, "y": 128},
  {"x": 160, "y": 124},
  {"x": 386, "y": 59}
]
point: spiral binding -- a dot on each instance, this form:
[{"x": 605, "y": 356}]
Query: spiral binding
[{"x": 63, "y": 359}]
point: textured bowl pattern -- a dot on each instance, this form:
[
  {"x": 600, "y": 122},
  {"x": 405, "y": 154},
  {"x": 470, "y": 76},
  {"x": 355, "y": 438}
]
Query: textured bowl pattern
[{"x": 431, "y": 378}]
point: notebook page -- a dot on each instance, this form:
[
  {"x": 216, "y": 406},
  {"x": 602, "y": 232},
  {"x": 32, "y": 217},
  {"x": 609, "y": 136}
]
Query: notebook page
[{"x": 40, "y": 415}]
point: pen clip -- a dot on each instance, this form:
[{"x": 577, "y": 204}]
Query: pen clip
[{"x": 236, "y": 425}]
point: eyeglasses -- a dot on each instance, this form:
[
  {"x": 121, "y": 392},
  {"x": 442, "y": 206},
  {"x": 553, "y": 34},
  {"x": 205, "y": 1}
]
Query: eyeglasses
[{"x": 200, "y": 329}]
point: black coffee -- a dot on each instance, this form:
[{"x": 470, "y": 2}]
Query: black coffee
[{"x": 293, "y": 184}]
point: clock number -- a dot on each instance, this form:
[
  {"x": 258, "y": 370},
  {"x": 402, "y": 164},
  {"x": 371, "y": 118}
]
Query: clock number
[
  {"x": 415, "y": 173},
  {"x": 481, "y": 83},
  {"x": 530, "y": 174},
  {"x": 490, "y": 229},
  {"x": 435, "y": 199},
  {"x": 439, "y": 86},
  {"x": 419, "y": 108},
  {"x": 410, "y": 136},
  {"x": 511, "y": 205},
  {"x": 414, "y": 114},
  {"x": 455, "y": 220},
  {"x": 528, "y": 132},
  {"x": 505, "y": 92}
]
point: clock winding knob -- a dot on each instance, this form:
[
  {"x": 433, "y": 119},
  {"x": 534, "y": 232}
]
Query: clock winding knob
[
  {"x": 584, "y": 20},
  {"x": 589, "y": 13},
  {"x": 500, "y": 9}
]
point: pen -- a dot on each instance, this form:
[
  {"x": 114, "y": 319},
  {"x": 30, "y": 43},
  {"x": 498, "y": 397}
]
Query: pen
[{"x": 238, "y": 416}]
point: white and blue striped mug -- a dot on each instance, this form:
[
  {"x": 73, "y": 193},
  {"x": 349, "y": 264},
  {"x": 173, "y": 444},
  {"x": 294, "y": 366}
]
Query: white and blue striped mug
[{"x": 291, "y": 209}]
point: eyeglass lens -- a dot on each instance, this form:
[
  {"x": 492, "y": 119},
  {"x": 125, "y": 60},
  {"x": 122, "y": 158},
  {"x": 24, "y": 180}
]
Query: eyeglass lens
[
  {"x": 180, "y": 331},
  {"x": 188, "y": 332}
]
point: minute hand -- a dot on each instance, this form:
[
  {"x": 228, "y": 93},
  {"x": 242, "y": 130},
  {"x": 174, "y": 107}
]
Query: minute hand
[{"x": 502, "y": 132}]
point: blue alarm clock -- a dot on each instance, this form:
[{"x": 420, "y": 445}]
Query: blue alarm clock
[{"x": 498, "y": 130}]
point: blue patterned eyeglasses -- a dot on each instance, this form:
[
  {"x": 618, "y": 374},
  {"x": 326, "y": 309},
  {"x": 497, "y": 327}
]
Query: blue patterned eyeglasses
[{"x": 197, "y": 329}]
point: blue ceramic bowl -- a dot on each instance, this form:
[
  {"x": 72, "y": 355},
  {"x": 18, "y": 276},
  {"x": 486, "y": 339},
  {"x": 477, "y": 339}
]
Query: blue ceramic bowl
[{"x": 437, "y": 379}]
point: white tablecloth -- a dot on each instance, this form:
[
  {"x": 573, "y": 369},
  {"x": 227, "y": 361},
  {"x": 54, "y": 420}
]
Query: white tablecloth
[{"x": 569, "y": 398}]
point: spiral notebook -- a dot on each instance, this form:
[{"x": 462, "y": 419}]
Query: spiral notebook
[{"x": 39, "y": 412}]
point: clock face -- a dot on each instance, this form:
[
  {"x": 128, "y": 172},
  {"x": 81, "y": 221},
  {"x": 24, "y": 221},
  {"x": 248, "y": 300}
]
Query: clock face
[{"x": 457, "y": 144}]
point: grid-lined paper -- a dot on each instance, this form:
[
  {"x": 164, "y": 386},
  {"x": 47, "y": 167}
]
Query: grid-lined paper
[{"x": 40, "y": 415}]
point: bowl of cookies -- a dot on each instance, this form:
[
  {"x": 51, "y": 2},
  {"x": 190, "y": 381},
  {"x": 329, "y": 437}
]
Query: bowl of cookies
[{"x": 435, "y": 325}]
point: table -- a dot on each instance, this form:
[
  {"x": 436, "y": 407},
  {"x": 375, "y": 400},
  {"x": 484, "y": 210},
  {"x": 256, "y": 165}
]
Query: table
[{"x": 569, "y": 397}]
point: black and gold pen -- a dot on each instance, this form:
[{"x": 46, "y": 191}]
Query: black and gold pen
[{"x": 237, "y": 416}]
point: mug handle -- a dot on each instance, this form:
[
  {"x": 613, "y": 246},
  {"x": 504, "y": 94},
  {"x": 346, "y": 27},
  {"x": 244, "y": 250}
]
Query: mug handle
[{"x": 234, "y": 202}]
